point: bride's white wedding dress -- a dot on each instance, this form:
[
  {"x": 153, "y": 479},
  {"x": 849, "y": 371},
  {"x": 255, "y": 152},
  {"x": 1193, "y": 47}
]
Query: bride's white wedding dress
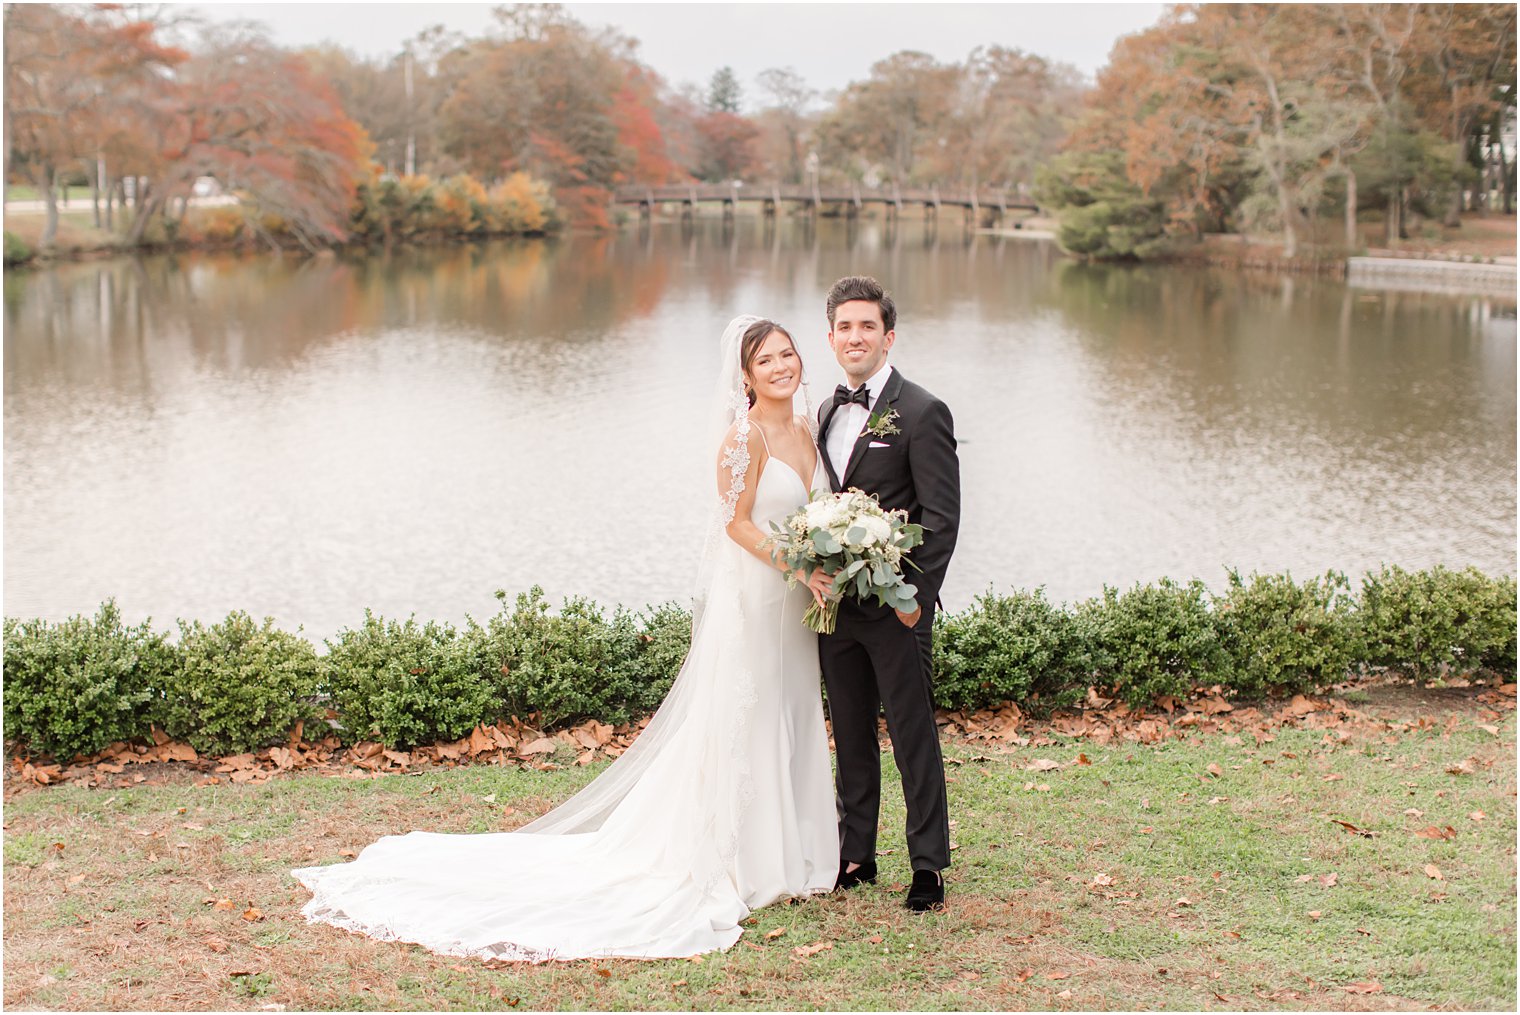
[{"x": 724, "y": 804}]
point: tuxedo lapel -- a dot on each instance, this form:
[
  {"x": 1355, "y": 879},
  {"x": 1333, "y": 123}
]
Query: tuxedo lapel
[
  {"x": 888, "y": 396},
  {"x": 823, "y": 439}
]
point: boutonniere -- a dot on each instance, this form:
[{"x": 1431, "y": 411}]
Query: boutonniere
[{"x": 882, "y": 424}]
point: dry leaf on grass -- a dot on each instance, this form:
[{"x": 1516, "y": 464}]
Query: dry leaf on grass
[
  {"x": 1434, "y": 832},
  {"x": 771, "y": 935},
  {"x": 1348, "y": 826},
  {"x": 1370, "y": 987},
  {"x": 1433, "y": 872},
  {"x": 813, "y": 949}
]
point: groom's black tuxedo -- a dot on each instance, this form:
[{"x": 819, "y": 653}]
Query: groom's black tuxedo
[{"x": 872, "y": 662}]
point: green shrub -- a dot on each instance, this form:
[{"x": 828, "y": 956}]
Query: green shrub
[
  {"x": 16, "y": 249},
  {"x": 404, "y": 684},
  {"x": 1284, "y": 637},
  {"x": 1425, "y": 622},
  {"x": 568, "y": 667},
  {"x": 667, "y": 639},
  {"x": 1017, "y": 647},
  {"x": 1153, "y": 640},
  {"x": 74, "y": 687},
  {"x": 239, "y": 686}
]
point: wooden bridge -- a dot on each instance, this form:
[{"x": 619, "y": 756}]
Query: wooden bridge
[{"x": 991, "y": 204}]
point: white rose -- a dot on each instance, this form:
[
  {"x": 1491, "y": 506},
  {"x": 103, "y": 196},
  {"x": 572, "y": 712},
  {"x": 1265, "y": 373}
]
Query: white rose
[{"x": 877, "y": 530}]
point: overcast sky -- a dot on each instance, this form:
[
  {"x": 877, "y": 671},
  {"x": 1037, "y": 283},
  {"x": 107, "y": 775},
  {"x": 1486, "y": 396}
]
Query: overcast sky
[{"x": 829, "y": 44}]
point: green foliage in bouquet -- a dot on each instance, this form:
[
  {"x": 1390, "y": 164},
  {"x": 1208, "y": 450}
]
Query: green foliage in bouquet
[
  {"x": 1424, "y": 623},
  {"x": 1153, "y": 640},
  {"x": 857, "y": 543},
  {"x": 1017, "y": 647},
  {"x": 405, "y": 684},
  {"x": 76, "y": 686},
  {"x": 240, "y": 685},
  {"x": 1283, "y": 637}
]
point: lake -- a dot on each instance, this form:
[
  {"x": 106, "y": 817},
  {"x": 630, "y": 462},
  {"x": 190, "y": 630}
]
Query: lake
[{"x": 411, "y": 431}]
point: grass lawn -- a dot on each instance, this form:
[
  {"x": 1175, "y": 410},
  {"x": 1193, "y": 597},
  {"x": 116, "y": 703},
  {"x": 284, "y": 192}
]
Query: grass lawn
[{"x": 1139, "y": 879}]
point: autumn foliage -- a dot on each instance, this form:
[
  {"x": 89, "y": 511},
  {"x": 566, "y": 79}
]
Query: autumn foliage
[{"x": 1270, "y": 116}]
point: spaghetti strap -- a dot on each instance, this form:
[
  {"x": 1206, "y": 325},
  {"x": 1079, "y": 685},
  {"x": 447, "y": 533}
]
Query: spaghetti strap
[{"x": 767, "y": 443}]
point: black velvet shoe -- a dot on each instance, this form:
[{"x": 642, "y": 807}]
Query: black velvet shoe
[
  {"x": 864, "y": 874},
  {"x": 926, "y": 893}
]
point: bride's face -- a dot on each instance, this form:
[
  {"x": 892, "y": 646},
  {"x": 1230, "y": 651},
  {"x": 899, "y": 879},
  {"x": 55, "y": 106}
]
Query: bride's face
[{"x": 776, "y": 370}]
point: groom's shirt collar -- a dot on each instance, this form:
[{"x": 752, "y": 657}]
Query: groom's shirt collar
[
  {"x": 850, "y": 419},
  {"x": 878, "y": 381}
]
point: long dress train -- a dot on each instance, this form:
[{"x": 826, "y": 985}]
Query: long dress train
[{"x": 724, "y": 804}]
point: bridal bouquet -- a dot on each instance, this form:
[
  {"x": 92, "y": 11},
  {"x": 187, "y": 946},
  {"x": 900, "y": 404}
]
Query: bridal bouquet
[{"x": 859, "y": 545}]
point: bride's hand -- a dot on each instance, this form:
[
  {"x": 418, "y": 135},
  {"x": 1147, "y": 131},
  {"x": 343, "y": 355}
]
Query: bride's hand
[{"x": 818, "y": 583}]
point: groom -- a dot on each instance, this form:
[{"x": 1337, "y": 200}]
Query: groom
[{"x": 887, "y": 436}]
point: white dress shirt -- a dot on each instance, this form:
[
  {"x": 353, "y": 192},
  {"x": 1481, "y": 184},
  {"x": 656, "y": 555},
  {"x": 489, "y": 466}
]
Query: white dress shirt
[{"x": 850, "y": 419}]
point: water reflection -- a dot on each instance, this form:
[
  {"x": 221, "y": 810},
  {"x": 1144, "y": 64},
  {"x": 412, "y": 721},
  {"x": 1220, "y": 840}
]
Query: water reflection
[{"x": 414, "y": 429}]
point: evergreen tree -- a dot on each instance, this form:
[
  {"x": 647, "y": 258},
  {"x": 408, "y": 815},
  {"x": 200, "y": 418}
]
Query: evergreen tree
[{"x": 723, "y": 91}]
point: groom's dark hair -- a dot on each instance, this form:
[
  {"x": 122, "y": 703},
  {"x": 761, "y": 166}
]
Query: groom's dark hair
[{"x": 863, "y": 287}]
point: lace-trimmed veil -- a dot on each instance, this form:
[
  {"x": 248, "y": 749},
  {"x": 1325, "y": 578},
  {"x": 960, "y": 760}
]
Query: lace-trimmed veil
[{"x": 714, "y": 688}]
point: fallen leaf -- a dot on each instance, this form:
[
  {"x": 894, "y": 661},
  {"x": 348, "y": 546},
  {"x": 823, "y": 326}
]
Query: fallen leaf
[
  {"x": 348, "y": 854},
  {"x": 679, "y": 983},
  {"x": 1414, "y": 812},
  {"x": 1183, "y": 901},
  {"x": 605, "y": 974},
  {"x": 771, "y": 935},
  {"x": 1464, "y": 767},
  {"x": 1348, "y": 826},
  {"x": 1082, "y": 759},
  {"x": 1314, "y": 914},
  {"x": 1215, "y": 770},
  {"x": 875, "y": 939},
  {"x": 1101, "y": 881},
  {"x": 1023, "y": 975},
  {"x": 1477, "y": 815},
  {"x": 1434, "y": 832},
  {"x": 1065, "y": 994},
  {"x": 813, "y": 949},
  {"x": 1370, "y": 987},
  {"x": 1042, "y": 765},
  {"x": 1332, "y": 777},
  {"x": 1328, "y": 880},
  {"x": 1434, "y": 872},
  {"x": 1059, "y": 974},
  {"x": 223, "y": 904},
  {"x": 252, "y": 915},
  {"x": 216, "y": 944}
]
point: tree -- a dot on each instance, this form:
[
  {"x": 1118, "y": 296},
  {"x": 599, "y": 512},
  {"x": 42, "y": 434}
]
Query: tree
[
  {"x": 723, "y": 91},
  {"x": 790, "y": 96},
  {"x": 74, "y": 76},
  {"x": 898, "y": 119},
  {"x": 727, "y": 146},
  {"x": 256, "y": 118},
  {"x": 1104, "y": 216}
]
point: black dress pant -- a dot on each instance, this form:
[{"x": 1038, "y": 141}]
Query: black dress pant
[{"x": 873, "y": 664}]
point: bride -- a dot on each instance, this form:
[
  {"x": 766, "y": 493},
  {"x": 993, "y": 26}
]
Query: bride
[{"x": 724, "y": 804}]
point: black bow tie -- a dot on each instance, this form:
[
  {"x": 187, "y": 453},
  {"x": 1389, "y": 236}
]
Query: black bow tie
[{"x": 844, "y": 396}]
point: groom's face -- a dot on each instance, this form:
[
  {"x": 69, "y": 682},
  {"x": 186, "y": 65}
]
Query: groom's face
[{"x": 858, "y": 339}]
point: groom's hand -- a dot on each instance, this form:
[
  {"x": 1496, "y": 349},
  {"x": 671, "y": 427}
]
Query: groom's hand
[{"x": 910, "y": 619}]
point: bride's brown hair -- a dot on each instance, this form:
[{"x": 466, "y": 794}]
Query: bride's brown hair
[{"x": 749, "y": 347}]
